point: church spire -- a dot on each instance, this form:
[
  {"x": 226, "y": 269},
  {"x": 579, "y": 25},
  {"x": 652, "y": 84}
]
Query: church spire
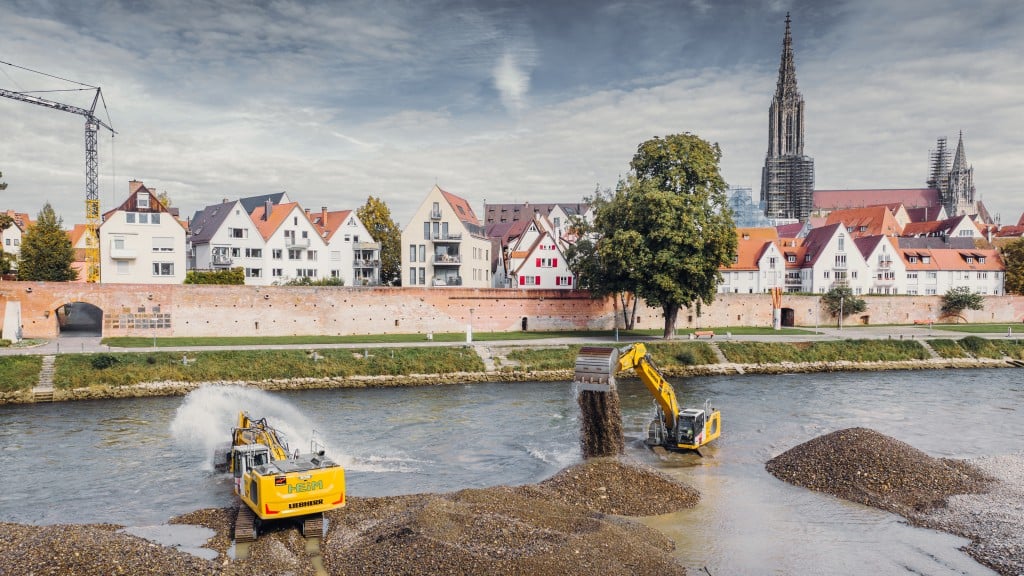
[
  {"x": 786, "y": 87},
  {"x": 960, "y": 157}
]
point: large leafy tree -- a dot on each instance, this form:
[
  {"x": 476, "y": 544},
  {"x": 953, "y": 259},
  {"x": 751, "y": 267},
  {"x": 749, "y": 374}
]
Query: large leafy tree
[
  {"x": 6, "y": 221},
  {"x": 3, "y": 185},
  {"x": 668, "y": 228},
  {"x": 376, "y": 216},
  {"x": 46, "y": 251},
  {"x": 961, "y": 298},
  {"x": 1013, "y": 258}
]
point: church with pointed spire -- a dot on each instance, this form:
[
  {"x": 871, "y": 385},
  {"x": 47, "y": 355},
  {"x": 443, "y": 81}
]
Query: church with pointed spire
[{"x": 787, "y": 179}]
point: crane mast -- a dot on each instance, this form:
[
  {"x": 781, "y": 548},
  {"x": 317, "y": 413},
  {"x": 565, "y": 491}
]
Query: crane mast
[{"x": 92, "y": 195}]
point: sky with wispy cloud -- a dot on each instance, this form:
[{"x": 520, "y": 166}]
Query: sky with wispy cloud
[{"x": 503, "y": 101}]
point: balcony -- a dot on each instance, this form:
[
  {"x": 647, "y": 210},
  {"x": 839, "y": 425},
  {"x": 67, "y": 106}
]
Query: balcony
[
  {"x": 121, "y": 253},
  {"x": 221, "y": 260},
  {"x": 447, "y": 237},
  {"x": 448, "y": 281},
  {"x": 447, "y": 259},
  {"x": 366, "y": 263}
]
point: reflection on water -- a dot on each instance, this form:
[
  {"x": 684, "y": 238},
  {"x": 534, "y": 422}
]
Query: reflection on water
[{"x": 141, "y": 461}]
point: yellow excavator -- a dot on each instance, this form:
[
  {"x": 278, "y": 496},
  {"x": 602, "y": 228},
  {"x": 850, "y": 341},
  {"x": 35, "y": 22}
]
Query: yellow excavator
[
  {"x": 275, "y": 484},
  {"x": 672, "y": 428}
]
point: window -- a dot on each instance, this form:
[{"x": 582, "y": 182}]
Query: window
[
  {"x": 563, "y": 281},
  {"x": 253, "y": 272},
  {"x": 348, "y": 237},
  {"x": 547, "y": 262},
  {"x": 981, "y": 259},
  {"x": 163, "y": 244},
  {"x": 119, "y": 243},
  {"x": 305, "y": 272},
  {"x": 276, "y": 253},
  {"x": 238, "y": 232},
  {"x": 771, "y": 263},
  {"x": 277, "y": 272},
  {"x": 295, "y": 254},
  {"x": 791, "y": 258},
  {"x": 143, "y": 218},
  {"x": 842, "y": 243},
  {"x": 826, "y": 274},
  {"x": 335, "y": 273},
  {"x": 435, "y": 210},
  {"x": 854, "y": 274},
  {"x": 335, "y": 255},
  {"x": 982, "y": 275},
  {"x": 412, "y": 276},
  {"x": 236, "y": 252},
  {"x": 912, "y": 259},
  {"x": 807, "y": 258},
  {"x": 154, "y": 218},
  {"x": 912, "y": 276},
  {"x": 142, "y": 199},
  {"x": 129, "y": 217},
  {"x": 970, "y": 259},
  {"x": 926, "y": 259},
  {"x": 305, "y": 234},
  {"x": 254, "y": 253},
  {"x": 840, "y": 260},
  {"x": 412, "y": 252},
  {"x": 966, "y": 233},
  {"x": 355, "y": 238},
  {"x": 932, "y": 275},
  {"x": 426, "y": 230},
  {"x": 122, "y": 267},
  {"x": 311, "y": 255},
  {"x": 423, "y": 276},
  {"x": 529, "y": 280},
  {"x": 423, "y": 252},
  {"x": 163, "y": 269}
]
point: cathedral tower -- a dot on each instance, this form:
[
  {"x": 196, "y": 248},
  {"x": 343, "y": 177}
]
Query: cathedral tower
[
  {"x": 787, "y": 180},
  {"x": 958, "y": 197}
]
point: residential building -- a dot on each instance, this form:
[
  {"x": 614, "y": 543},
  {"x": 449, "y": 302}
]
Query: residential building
[
  {"x": 79, "y": 236},
  {"x": 141, "y": 242},
  {"x": 535, "y": 260},
  {"x": 787, "y": 179},
  {"x": 956, "y": 227},
  {"x": 834, "y": 260},
  {"x": 223, "y": 236},
  {"x": 933, "y": 272},
  {"x": 887, "y": 269},
  {"x": 871, "y": 221},
  {"x": 10, "y": 237},
  {"x": 353, "y": 255},
  {"x": 827, "y": 201},
  {"x": 445, "y": 244},
  {"x": 759, "y": 265},
  {"x": 293, "y": 246},
  {"x": 557, "y": 217}
]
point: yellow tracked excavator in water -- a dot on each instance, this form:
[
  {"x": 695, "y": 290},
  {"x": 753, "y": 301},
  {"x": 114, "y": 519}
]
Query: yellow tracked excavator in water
[
  {"x": 672, "y": 428},
  {"x": 274, "y": 484}
]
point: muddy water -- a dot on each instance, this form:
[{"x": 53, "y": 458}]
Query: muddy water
[{"x": 118, "y": 461}]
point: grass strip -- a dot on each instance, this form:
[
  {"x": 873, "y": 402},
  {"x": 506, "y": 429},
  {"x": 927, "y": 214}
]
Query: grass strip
[
  {"x": 19, "y": 372},
  {"x": 852, "y": 350},
  {"x": 126, "y": 368},
  {"x": 665, "y": 354}
]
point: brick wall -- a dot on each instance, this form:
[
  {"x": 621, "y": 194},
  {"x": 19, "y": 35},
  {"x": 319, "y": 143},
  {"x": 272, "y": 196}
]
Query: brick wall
[{"x": 180, "y": 310}]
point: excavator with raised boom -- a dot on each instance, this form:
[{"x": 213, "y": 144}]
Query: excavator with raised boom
[
  {"x": 274, "y": 484},
  {"x": 672, "y": 427}
]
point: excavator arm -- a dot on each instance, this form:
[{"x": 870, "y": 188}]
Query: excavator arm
[
  {"x": 251, "y": 431},
  {"x": 596, "y": 369}
]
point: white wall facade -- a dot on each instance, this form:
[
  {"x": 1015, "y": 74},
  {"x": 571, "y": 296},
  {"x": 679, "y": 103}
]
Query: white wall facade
[
  {"x": 438, "y": 249},
  {"x": 142, "y": 248}
]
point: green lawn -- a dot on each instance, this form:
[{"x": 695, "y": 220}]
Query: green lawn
[
  {"x": 19, "y": 372},
  {"x": 665, "y": 354},
  {"x": 76, "y": 370},
  {"x": 982, "y": 328},
  {"x": 830, "y": 351}
]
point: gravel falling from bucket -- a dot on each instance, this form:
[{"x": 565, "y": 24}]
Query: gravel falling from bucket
[{"x": 600, "y": 424}]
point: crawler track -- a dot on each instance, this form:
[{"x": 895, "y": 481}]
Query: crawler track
[{"x": 245, "y": 524}]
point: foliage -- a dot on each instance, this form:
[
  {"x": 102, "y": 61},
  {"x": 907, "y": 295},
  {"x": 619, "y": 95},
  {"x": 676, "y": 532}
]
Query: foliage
[
  {"x": 46, "y": 251},
  {"x": 1013, "y": 259},
  {"x": 665, "y": 231},
  {"x": 234, "y": 276},
  {"x": 19, "y": 372},
  {"x": 102, "y": 361},
  {"x": 841, "y": 300},
  {"x": 76, "y": 370},
  {"x": 3, "y": 185},
  {"x": 376, "y": 216},
  {"x": 164, "y": 199},
  {"x": 852, "y": 350},
  {"x": 670, "y": 354},
  {"x": 561, "y": 358},
  {"x": 307, "y": 281},
  {"x": 961, "y": 298},
  {"x": 947, "y": 348}
]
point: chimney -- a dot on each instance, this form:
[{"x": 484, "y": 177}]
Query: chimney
[
  {"x": 267, "y": 207},
  {"x": 134, "y": 185},
  {"x": 323, "y": 215},
  {"x": 224, "y": 201}
]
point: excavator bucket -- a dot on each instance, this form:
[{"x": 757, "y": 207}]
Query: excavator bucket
[{"x": 596, "y": 368}]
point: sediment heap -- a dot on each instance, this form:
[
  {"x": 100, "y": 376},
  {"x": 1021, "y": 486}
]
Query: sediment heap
[{"x": 559, "y": 526}]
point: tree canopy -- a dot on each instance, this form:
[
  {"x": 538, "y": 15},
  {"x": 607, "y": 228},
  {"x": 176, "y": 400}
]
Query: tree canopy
[
  {"x": 3, "y": 185},
  {"x": 1013, "y": 258},
  {"x": 667, "y": 228},
  {"x": 961, "y": 298},
  {"x": 841, "y": 301},
  {"x": 376, "y": 216},
  {"x": 46, "y": 251}
]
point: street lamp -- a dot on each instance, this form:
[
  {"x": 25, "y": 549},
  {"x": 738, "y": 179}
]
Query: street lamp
[{"x": 469, "y": 329}]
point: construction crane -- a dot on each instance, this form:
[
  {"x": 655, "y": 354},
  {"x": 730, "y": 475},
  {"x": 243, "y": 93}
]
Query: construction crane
[{"x": 92, "y": 195}]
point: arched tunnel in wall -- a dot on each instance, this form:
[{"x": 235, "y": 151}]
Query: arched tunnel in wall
[{"x": 79, "y": 319}]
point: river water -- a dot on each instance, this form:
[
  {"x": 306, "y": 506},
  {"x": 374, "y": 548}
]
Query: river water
[{"x": 140, "y": 461}]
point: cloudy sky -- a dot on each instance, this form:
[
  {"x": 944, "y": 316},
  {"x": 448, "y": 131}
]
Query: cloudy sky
[{"x": 503, "y": 101}]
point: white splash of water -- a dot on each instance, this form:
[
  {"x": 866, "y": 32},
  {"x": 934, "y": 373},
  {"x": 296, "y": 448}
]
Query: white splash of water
[{"x": 208, "y": 414}]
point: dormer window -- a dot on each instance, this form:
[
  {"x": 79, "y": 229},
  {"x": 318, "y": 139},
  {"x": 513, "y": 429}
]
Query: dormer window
[
  {"x": 970, "y": 259},
  {"x": 142, "y": 200},
  {"x": 791, "y": 258},
  {"x": 981, "y": 259},
  {"x": 926, "y": 259},
  {"x": 912, "y": 259}
]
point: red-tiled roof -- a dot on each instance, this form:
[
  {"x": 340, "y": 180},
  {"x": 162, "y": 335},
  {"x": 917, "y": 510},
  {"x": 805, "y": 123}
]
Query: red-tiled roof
[
  {"x": 828, "y": 200},
  {"x": 750, "y": 246},
  {"x": 463, "y": 211},
  {"x": 328, "y": 227},
  {"x": 278, "y": 213},
  {"x": 870, "y": 221}
]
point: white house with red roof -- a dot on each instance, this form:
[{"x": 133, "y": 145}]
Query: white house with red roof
[
  {"x": 535, "y": 260},
  {"x": 759, "y": 265},
  {"x": 834, "y": 260},
  {"x": 444, "y": 244},
  {"x": 141, "y": 242},
  {"x": 352, "y": 254},
  {"x": 10, "y": 237},
  {"x": 293, "y": 246},
  {"x": 223, "y": 236},
  {"x": 934, "y": 271},
  {"x": 887, "y": 272}
]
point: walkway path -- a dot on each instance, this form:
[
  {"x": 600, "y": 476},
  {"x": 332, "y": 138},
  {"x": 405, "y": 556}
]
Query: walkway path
[{"x": 43, "y": 392}]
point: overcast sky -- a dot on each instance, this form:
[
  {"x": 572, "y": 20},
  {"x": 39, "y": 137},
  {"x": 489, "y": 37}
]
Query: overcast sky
[{"x": 499, "y": 101}]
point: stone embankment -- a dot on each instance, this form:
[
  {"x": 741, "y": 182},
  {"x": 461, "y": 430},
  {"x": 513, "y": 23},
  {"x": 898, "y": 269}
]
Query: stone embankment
[
  {"x": 559, "y": 526},
  {"x": 981, "y": 499}
]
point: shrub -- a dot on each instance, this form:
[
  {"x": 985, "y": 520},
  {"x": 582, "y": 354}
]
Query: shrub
[{"x": 103, "y": 361}]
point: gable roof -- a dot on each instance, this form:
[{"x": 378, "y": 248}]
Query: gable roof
[
  {"x": 934, "y": 228},
  {"x": 934, "y": 242},
  {"x": 463, "y": 211},
  {"x": 21, "y": 220},
  {"x": 816, "y": 240},
  {"x": 751, "y": 244},
  {"x": 789, "y": 230},
  {"x": 924, "y": 213},
  {"x": 252, "y": 202},
  {"x": 869, "y": 221},
  {"x": 329, "y": 222},
  {"x": 828, "y": 200},
  {"x": 506, "y": 231},
  {"x": 267, "y": 224},
  {"x": 207, "y": 221},
  {"x": 494, "y": 213}
]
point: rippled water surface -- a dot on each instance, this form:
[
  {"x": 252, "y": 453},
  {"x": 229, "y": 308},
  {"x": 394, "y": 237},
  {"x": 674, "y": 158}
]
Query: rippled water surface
[{"x": 141, "y": 461}]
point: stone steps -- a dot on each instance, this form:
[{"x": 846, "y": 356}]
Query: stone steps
[{"x": 43, "y": 392}]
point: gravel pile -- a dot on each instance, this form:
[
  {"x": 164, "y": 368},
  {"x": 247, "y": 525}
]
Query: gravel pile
[
  {"x": 86, "y": 550},
  {"x": 557, "y": 526},
  {"x": 865, "y": 466}
]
